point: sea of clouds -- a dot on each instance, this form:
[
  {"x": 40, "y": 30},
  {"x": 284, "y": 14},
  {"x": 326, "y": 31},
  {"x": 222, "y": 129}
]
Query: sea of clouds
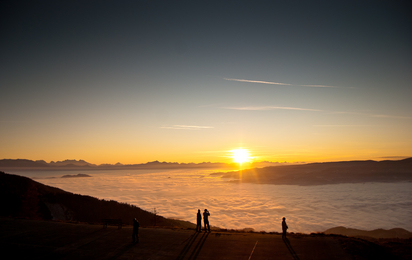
[{"x": 180, "y": 193}]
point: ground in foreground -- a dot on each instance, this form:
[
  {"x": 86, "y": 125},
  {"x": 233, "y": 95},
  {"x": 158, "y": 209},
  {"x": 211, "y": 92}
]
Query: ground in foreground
[{"x": 23, "y": 239}]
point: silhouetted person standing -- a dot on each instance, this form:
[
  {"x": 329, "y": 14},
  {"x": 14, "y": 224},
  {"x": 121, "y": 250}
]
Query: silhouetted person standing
[
  {"x": 135, "y": 231},
  {"x": 199, "y": 221},
  {"x": 284, "y": 228},
  {"x": 206, "y": 215}
]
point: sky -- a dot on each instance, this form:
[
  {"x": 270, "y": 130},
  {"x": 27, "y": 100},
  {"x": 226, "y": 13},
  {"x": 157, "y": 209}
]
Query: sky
[{"x": 189, "y": 81}]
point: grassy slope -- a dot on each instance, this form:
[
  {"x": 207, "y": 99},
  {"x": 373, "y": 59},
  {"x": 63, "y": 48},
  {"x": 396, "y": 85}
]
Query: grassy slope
[{"x": 25, "y": 198}]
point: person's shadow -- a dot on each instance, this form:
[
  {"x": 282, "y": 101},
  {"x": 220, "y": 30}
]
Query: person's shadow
[
  {"x": 289, "y": 246},
  {"x": 188, "y": 245},
  {"x": 196, "y": 249}
]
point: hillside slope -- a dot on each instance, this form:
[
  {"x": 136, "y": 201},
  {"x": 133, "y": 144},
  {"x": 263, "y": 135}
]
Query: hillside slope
[
  {"x": 327, "y": 173},
  {"x": 24, "y": 198},
  {"x": 377, "y": 233}
]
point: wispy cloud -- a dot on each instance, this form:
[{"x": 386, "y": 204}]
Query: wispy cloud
[
  {"x": 342, "y": 125},
  {"x": 278, "y": 83},
  {"x": 187, "y": 127},
  {"x": 266, "y": 108},
  {"x": 372, "y": 115},
  {"x": 317, "y": 86},
  {"x": 260, "y": 108},
  {"x": 391, "y": 116},
  {"x": 211, "y": 105},
  {"x": 258, "y": 81}
]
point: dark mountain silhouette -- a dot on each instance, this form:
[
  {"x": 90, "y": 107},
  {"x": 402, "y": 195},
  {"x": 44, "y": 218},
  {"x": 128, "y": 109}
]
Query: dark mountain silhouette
[
  {"x": 327, "y": 173},
  {"x": 71, "y": 163},
  {"x": 22, "y": 197},
  {"x": 80, "y": 175},
  {"x": 24, "y": 164},
  {"x": 377, "y": 233},
  {"x": 7, "y": 164}
]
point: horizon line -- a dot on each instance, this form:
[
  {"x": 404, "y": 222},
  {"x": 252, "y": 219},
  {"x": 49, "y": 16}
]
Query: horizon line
[{"x": 384, "y": 158}]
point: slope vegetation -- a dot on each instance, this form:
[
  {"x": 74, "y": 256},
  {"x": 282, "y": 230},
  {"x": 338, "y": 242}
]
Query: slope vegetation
[{"x": 24, "y": 198}]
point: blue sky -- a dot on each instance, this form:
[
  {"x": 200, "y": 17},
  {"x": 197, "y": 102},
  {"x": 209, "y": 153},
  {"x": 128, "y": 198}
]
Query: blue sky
[{"x": 137, "y": 81}]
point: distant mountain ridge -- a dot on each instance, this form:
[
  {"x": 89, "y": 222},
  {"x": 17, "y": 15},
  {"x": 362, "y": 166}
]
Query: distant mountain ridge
[
  {"x": 6, "y": 164},
  {"x": 377, "y": 233},
  {"x": 71, "y": 163},
  {"x": 281, "y": 174},
  {"x": 326, "y": 173},
  {"x": 24, "y": 163},
  {"x": 41, "y": 163}
]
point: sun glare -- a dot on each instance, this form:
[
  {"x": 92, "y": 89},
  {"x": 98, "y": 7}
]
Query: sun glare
[{"x": 240, "y": 155}]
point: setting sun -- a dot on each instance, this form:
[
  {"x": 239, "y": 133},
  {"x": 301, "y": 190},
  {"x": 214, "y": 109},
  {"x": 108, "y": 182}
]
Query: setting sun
[{"x": 240, "y": 155}]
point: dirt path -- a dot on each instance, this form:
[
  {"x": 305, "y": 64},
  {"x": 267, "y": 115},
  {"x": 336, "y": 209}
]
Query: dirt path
[{"x": 52, "y": 240}]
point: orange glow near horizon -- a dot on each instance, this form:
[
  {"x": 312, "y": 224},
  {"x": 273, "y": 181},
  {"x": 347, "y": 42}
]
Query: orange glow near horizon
[
  {"x": 182, "y": 149},
  {"x": 241, "y": 156}
]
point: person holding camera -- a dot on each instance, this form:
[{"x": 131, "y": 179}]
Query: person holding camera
[{"x": 206, "y": 215}]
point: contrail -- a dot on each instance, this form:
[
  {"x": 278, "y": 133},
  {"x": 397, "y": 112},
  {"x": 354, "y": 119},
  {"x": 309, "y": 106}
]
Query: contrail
[
  {"x": 258, "y": 81},
  {"x": 278, "y": 83}
]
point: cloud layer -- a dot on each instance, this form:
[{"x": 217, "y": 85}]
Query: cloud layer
[{"x": 178, "y": 194}]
